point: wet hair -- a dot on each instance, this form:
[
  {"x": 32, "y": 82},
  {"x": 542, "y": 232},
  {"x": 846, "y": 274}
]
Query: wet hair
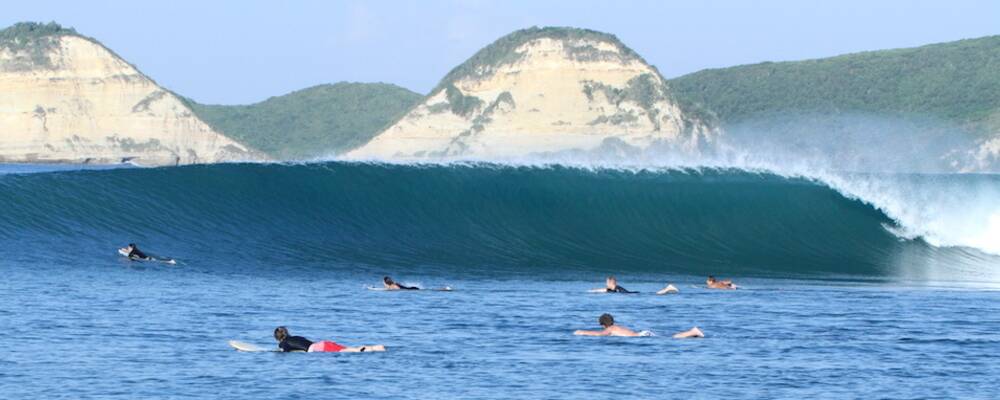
[
  {"x": 606, "y": 320},
  {"x": 131, "y": 245},
  {"x": 281, "y": 333},
  {"x": 711, "y": 278},
  {"x": 387, "y": 280}
]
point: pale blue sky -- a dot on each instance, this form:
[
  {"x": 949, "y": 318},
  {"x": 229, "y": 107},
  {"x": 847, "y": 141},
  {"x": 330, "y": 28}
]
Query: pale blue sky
[{"x": 241, "y": 52}]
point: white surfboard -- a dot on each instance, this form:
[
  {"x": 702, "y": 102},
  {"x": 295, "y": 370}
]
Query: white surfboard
[
  {"x": 382, "y": 289},
  {"x": 249, "y": 347}
]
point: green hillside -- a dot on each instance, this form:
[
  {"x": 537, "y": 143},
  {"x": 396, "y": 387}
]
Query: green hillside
[
  {"x": 313, "y": 122},
  {"x": 956, "y": 82}
]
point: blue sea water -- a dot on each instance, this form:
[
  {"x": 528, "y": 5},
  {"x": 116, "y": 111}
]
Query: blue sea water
[{"x": 835, "y": 303}]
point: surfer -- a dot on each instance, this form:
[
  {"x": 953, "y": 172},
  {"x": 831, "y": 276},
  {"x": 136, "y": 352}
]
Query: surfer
[
  {"x": 298, "y": 343},
  {"x": 610, "y": 329},
  {"x": 393, "y": 285},
  {"x": 611, "y": 286},
  {"x": 133, "y": 252},
  {"x": 713, "y": 283}
]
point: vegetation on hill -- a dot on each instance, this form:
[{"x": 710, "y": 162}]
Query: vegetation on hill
[
  {"x": 313, "y": 122},
  {"x": 957, "y": 82},
  {"x": 31, "y": 43},
  {"x": 502, "y": 51},
  {"x": 22, "y": 32}
]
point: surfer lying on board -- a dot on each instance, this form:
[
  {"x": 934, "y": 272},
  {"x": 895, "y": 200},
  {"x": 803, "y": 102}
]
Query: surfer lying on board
[
  {"x": 713, "y": 283},
  {"x": 393, "y": 285},
  {"x": 611, "y": 286},
  {"x": 133, "y": 252},
  {"x": 610, "y": 329},
  {"x": 298, "y": 343}
]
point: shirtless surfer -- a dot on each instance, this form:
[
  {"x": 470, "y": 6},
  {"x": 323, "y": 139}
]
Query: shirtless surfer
[
  {"x": 298, "y": 343},
  {"x": 611, "y": 286},
  {"x": 610, "y": 329},
  {"x": 713, "y": 283}
]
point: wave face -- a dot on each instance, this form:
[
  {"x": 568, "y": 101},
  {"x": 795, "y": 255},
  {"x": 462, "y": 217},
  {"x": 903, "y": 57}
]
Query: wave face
[{"x": 478, "y": 218}]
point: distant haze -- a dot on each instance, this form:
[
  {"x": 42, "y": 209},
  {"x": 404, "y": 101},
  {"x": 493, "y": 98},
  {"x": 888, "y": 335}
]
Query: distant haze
[{"x": 241, "y": 52}]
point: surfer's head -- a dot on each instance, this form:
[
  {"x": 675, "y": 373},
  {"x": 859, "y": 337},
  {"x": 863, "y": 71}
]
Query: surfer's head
[
  {"x": 606, "y": 320},
  {"x": 711, "y": 279},
  {"x": 280, "y": 333},
  {"x": 388, "y": 281},
  {"x": 611, "y": 282},
  {"x": 131, "y": 245}
]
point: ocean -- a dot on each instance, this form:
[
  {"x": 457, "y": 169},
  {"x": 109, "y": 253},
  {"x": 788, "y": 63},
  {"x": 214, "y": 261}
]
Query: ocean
[{"x": 853, "y": 285}]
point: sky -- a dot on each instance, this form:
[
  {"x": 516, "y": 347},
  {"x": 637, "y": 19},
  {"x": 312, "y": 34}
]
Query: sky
[{"x": 239, "y": 52}]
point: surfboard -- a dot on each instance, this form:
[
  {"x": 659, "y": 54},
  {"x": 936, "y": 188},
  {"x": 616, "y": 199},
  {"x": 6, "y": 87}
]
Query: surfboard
[
  {"x": 249, "y": 347},
  {"x": 382, "y": 289}
]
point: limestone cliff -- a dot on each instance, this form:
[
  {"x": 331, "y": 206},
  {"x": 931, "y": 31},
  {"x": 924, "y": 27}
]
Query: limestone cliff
[
  {"x": 67, "y": 98},
  {"x": 542, "y": 90}
]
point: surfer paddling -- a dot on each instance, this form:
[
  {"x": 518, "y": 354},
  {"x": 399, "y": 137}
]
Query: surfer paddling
[
  {"x": 713, "y": 283},
  {"x": 132, "y": 251},
  {"x": 610, "y": 329},
  {"x": 393, "y": 285},
  {"x": 611, "y": 286},
  {"x": 298, "y": 343}
]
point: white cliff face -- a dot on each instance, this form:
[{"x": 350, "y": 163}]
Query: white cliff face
[
  {"x": 88, "y": 105},
  {"x": 547, "y": 101}
]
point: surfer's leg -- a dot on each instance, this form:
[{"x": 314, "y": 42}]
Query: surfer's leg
[{"x": 691, "y": 333}]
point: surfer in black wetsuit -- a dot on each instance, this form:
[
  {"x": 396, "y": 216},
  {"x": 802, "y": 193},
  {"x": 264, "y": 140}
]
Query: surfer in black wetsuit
[
  {"x": 611, "y": 286},
  {"x": 290, "y": 343},
  {"x": 136, "y": 254},
  {"x": 133, "y": 253},
  {"x": 393, "y": 285},
  {"x": 298, "y": 343}
]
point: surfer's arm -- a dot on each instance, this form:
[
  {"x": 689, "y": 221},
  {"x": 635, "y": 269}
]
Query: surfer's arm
[
  {"x": 363, "y": 349},
  {"x": 591, "y": 333}
]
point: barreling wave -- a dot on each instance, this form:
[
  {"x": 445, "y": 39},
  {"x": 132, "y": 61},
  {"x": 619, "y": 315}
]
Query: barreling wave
[{"x": 486, "y": 217}]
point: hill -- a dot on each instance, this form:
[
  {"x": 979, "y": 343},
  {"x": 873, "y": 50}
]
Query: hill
[
  {"x": 314, "y": 122},
  {"x": 542, "y": 90},
  {"x": 945, "y": 87},
  {"x": 64, "y": 97}
]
